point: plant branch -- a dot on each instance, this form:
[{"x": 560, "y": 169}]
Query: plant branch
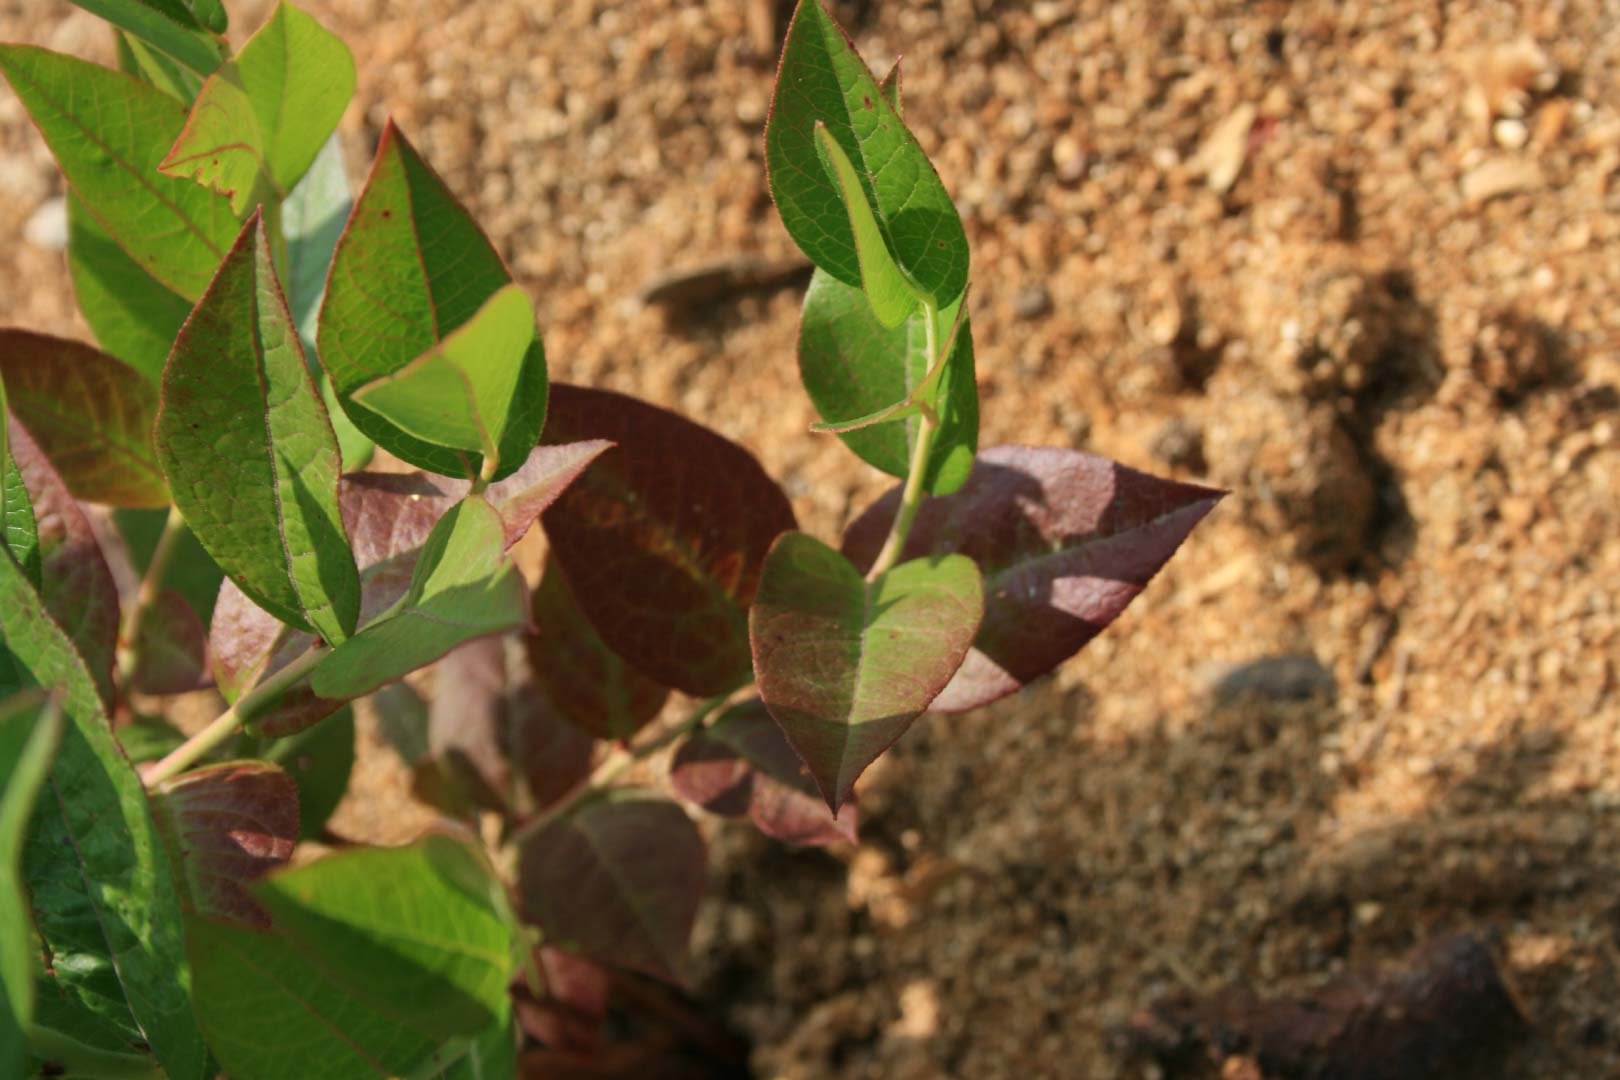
[
  {"x": 911, "y": 496},
  {"x": 619, "y": 762},
  {"x": 146, "y": 594},
  {"x": 226, "y": 723}
]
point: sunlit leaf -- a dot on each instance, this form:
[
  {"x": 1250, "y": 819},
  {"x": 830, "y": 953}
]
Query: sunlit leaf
[
  {"x": 618, "y": 880},
  {"x": 852, "y": 367},
  {"x": 406, "y": 948},
  {"x": 249, "y": 453},
  {"x": 663, "y": 538},
  {"x": 91, "y": 414},
  {"x": 462, "y": 588},
  {"x": 1065, "y": 540},
  {"x": 108, "y": 132},
  {"x": 892, "y": 295},
  {"x": 823, "y": 80},
  {"x": 458, "y": 394},
  {"x": 134, "y": 316},
  {"x": 259, "y": 120},
  {"x": 411, "y": 268},
  {"x": 169, "y": 25},
  {"x": 845, "y": 665}
]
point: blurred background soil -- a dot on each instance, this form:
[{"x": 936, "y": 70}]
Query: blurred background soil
[{"x": 1358, "y": 262}]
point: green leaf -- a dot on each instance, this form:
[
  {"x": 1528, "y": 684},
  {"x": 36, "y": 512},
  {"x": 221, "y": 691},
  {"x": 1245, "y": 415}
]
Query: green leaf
[
  {"x": 103, "y": 896},
  {"x": 458, "y": 393},
  {"x": 823, "y": 80},
  {"x": 892, "y": 295},
  {"x": 891, "y": 89},
  {"x": 28, "y": 738},
  {"x": 108, "y": 132},
  {"x": 139, "y": 59},
  {"x": 211, "y": 13},
  {"x": 227, "y": 825},
  {"x": 319, "y": 759},
  {"x": 148, "y": 738},
  {"x": 17, "y": 524},
  {"x": 134, "y": 316},
  {"x": 619, "y": 879},
  {"x": 249, "y": 453},
  {"x": 462, "y": 589},
  {"x": 260, "y": 120},
  {"x": 861, "y": 374},
  {"x": 166, "y": 24},
  {"x": 411, "y": 268},
  {"x": 377, "y": 956},
  {"x": 91, "y": 414},
  {"x": 845, "y": 665}
]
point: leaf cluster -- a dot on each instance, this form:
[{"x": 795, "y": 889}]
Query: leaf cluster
[{"x": 263, "y": 333}]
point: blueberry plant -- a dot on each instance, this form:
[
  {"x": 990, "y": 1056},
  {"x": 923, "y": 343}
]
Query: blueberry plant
[{"x": 188, "y": 506}]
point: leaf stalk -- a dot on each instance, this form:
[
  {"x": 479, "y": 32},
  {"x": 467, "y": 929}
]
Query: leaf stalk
[
  {"x": 146, "y": 594},
  {"x": 912, "y": 495}
]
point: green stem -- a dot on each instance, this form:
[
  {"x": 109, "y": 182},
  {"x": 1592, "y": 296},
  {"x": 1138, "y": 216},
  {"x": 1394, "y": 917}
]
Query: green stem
[
  {"x": 146, "y": 595},
  {"x": 619, "y": 762},
  {"x": 225, "y": 725},
  {"x": 911, "y": 496}
]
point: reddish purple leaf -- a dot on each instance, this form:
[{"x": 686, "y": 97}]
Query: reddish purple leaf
[
  {"x": 228, "y": 825},
  {"x": 575, "y": 1005},
  {"x": 663, "y": 539},
  {"x": 743, "y": 764},
  {"x": 388, "y": 517},
  {"x": 619, "y": 880},
  {"x": 552, "y": 755},
  {"x": 1065, "y": 540},
  {"x": 466, "y": 737},
  {"x": 79, "y": 589},
  {"x": 589, "y": 684},
  {"x": 171, "y": 647}
]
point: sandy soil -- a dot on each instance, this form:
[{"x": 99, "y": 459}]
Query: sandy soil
[{"x": 1356, "y": 261}]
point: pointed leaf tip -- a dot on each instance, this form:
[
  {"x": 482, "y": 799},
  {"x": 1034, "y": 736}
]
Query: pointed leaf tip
[{"x": 844, "y": 665}]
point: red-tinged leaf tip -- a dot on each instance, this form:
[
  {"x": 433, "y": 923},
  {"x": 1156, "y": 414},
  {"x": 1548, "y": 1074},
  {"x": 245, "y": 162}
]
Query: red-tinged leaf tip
[
  {"x": 663, "y": 537},
  {"x": 228, "y": 825},
  {"x": 1065, "y": 540},
  {"x": 619, "y": 880}
]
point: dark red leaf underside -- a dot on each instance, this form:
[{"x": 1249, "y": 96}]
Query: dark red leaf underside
[
  {"x": 663, "y": 538},
  {"x": 171, "y": 651},
  {"x": 619, "y": 880},
  {"x": 588, "y": 683},
  {"x": 466, "y": 722},
  {"x": 1065, "y": 539},
  {"x": 227, "y": 826},
  {"x": 552, "y": 755}
]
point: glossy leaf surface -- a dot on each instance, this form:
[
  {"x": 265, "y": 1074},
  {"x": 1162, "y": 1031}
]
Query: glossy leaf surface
[
  {"x": 742, "y": 764},
  {"x": 588, "y": 683},
  {"x": 618, "y": 880},
  {"x": 228, "y": 825},
  {"x": 845, "y": 665},
  {"x": 1065, "y": 539},
  {"x": 91, "y": 414},
  {"x": 133, "y": 315},
  {"x": 108, "y": 132},
  {"x": 250, "y": 456},
  {"x": 405, "y": 948},
  {"x": 411, "y": 268},
  {"x": 259, "y": 121},
  {"x": 887, "y": 289},
  {"x": 822, "y": 79},
  {"x": 462, "y": 588},
  {"x": 852, "y": 366},
  {"x": 663, "y": 538}
]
